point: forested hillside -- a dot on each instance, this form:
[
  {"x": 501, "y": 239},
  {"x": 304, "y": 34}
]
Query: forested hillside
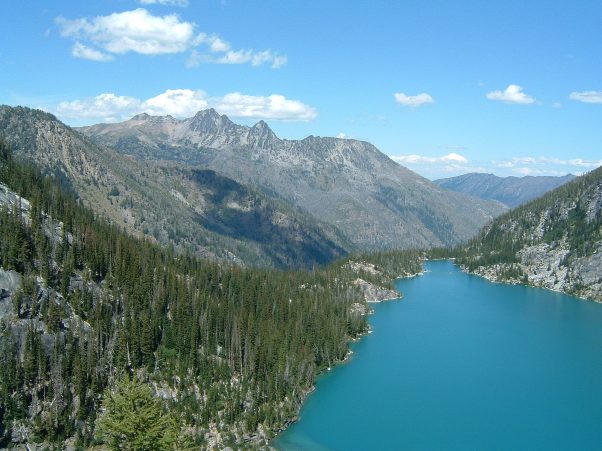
[
  {"x": 228, "y": 353},
  {"x": 553, "y": 242}
]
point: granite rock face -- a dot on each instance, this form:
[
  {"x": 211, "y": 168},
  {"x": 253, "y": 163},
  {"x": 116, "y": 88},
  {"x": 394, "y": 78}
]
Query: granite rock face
[
  {"x": 374, "y": 293},
  {"x": 10, "y": 282}
]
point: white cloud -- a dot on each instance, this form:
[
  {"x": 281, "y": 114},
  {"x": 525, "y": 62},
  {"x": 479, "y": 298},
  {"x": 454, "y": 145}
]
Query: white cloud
[
  {"x": 80, "y": 50},
  {"x": 175, "y": 102},
  {"x": 135, "y": 31},
  {"x": 215, "y": 43},
  {"x": 342, "y": 136},
  {"x": 106, "y": 107},
  {"x": 139, "y": 31},
  {"x": 525, "y": 171},
  {"x": 454, "y": 157},
  {"x": 585, "y": 163},
  {"x": 271, "y": 107},
  {"x": 181, "y": 103},
  {"x": 587, "y": 96},
  {"x": 413, "y": 101},
  {"x": 516, "y": 161},
  {"x": 420, "y": 159},
  {"x": 455, "y": 164},
  {"x": 524, "y": 160},
  {"x": 182, "y": 3},
  {"x": 441, "y": 166},
  {"x": 512, "y": 94}
]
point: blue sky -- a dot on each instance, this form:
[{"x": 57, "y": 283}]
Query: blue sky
[{"x": 444, "y": 87}]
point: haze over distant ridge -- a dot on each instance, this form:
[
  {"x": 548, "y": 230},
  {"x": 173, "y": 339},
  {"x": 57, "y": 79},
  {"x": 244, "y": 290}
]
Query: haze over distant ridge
[{"x": 511, "y": 191}]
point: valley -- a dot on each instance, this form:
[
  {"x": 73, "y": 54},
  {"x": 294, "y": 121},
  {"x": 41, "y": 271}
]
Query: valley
[
  {"x": 147, "y": 259},
  {"x": 300, "y": 226},
  {"x": 83, "y": 304}
]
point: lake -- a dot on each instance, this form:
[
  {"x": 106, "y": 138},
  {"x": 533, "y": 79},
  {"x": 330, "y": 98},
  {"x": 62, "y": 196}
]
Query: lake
[{"x": 463, "y": 363}]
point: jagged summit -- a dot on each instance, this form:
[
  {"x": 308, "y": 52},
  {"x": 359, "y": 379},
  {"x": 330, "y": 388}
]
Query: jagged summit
[
  {"x": 262, "y": 133},
  {"x": 209, "y": 115},
  {"x": 261, "y": 125},
  {"x": 211, "y": 112},
  {"x": 208, "y": 121}
]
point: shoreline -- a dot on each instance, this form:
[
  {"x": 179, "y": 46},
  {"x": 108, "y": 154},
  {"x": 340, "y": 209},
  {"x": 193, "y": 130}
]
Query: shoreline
[
  {"x": 345, "y": 359},
  {"x": 492, "y": 279},
  {"x": 369, "y": 330}
]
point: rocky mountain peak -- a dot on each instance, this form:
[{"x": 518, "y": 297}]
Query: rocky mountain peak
[
  {"x": 148, "y": 120},
  {"x": 141, "y": 117},
  {"x": 208, "y": 113},
  {"x": 261, "y": 125},
  {"x": 262, "y": 134},
  {"x": 209, "y": 121}
]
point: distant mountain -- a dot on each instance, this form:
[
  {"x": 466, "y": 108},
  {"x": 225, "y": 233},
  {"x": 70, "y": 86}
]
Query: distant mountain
[
  {"x": 553, "y": 242},
  {"x": 185, "y": 205},
  {"x": 373, "y": 201},
  {"x": 511, "y": 191}
]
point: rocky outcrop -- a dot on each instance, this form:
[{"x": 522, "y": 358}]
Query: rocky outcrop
[
  {"x": 358, "y": 308},
  {"x": 374, "y": 293},
  {"x": 546, "y": 267},
  {"x": 10, "y": 282},
  {"x": 368, "y": 268}
]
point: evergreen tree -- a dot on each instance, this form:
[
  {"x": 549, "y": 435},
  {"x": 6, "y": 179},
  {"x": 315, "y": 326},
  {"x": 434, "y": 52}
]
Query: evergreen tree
[{"x": 132, "y": 419}]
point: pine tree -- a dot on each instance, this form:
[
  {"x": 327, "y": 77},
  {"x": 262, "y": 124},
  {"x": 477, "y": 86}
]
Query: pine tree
[{"x": 132, "y": 419}]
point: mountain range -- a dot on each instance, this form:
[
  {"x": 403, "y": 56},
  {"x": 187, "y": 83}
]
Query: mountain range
[
  {"x": 189, "y": 207},
  {"x": 241, "y": 194},
  {"x": 511, "y": 191},
  {"x": 374, "y": 202}
]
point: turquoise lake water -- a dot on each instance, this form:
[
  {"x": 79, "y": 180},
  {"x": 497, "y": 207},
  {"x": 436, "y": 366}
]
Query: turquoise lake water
[{"x": 462, "y": 363}]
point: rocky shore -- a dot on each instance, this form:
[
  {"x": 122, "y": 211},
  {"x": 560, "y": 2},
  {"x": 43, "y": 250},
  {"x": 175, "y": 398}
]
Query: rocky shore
[{"x": 546, "y": 266}]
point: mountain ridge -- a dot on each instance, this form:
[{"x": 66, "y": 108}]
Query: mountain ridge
[
  {"x": 350, "y": 184},
  {"x": 511, "y": 191},
  {"x": 169, "y": 202}
]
